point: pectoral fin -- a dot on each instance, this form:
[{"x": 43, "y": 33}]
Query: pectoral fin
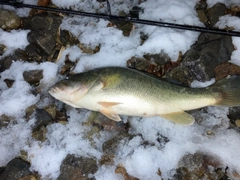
[
  {"x": 110, "y": 114},
  {"x": 180, "y": 117},
  {"x": 106, "y": 104}
]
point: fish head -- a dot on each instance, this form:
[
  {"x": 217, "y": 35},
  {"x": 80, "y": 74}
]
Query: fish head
[{"x": 69, "y": 91}]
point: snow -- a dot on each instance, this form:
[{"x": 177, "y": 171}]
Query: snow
[
  {"x": 140, "y": 160},
  {"x": 14, "y": 39}
]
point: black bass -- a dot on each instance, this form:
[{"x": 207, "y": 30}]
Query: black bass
[{"x": 118, "y": 91}]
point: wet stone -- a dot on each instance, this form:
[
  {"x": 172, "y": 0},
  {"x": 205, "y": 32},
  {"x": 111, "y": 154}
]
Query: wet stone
[
  {"x": 77, "y": 168},
  {"x": 15, "y": 169},
  {"x": 9, "y": 20},
  {"x": 43, "y": 118},
  {"x": 33, "y": 77}
]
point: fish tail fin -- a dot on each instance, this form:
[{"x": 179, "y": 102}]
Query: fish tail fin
[{"x": 227, "y": 91}]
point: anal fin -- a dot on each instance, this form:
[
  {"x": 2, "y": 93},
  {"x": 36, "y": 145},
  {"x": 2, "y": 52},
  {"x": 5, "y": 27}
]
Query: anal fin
[
  {"x": 180, "y": 117},
  {"x": 110, "y": 115}
]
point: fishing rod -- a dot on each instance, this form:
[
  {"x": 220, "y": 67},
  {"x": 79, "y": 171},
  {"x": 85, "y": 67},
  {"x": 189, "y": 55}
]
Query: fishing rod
[{"x": 111, "y": 17}]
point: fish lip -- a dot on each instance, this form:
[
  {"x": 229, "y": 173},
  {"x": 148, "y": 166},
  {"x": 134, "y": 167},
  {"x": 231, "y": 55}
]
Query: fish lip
[{"x": 53, "y": 90}]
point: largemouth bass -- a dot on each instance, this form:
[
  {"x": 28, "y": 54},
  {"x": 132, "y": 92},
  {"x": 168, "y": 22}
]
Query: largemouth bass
[{"x": 118, "y": 91}]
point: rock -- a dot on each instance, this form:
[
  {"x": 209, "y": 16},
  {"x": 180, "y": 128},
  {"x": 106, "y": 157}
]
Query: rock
[
  {"x": 201, "y": 8},
  {"x": 65, "y": 38},
  {"x": 46, "y": 21},
  {"x": 204, "y": 56},
  {"x": 6, "y": 61},
  {"x": 234, "y": 113},
  {"x": 33, "y": 77},
  {"x": 67, "y": 66},
  {"x": 237, "y": 122},
  {"x": 143, "y": 38},
  {"x": 121, "y": 170},
  {"x": 110, "y": 146},
  {"x": 40, "y": 134},
  {"x": 215, "y": 12},
  {"x": 148, "y": 65},
  {"x": 9, "y": 20},
  {"x": 9, "y": 82},
  {"x": 199, "y": 166},
  {"x": 225, "y": 69},
  {"x": 160, "y": 59},
  {"x": 107, "y": 159},
  {"x": 29, "y": 177},
  {"x": 33, "y": 53},
  {"x": 52, "y": 110},
  {"x": 43, "y": 2},
  {"x": 2, "y": 49},
  {"x": 5, "y": 120},
  {"x": 125, "y": 27},
  {"x": 43, "y": 118},
  {"x": 88, "y": 50},
  {"x": 134, "y": 12},
  {"x": 77, "y": 168},
  {"x": 29, "y": 110},
  {"x": 15, "y": 169},
  {"x": 43, "y": 40}
]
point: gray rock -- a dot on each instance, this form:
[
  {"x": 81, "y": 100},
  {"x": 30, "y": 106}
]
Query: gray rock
[
  {"x": 215, "y": 12},
  {"x": 33, "y": 77},
  {"x": 43, "y": 40},
  {"x": 6, "y": 61},
  {"x": 15, "y": 169},
  {"x": 199, "y": 166},
  {"x": 160, "y": 58},
  {"x": 200, "y": 61},
  {"x": 43, "y": 118},
  {"x": 9, "y": 20},
  {"x": 46, "y": 21},
  {"x": 110, "y": 146},
  {"x": 77, "y": 168}
]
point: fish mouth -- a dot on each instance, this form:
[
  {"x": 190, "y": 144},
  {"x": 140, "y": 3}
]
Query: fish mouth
[{"x": 55, "y": 92}]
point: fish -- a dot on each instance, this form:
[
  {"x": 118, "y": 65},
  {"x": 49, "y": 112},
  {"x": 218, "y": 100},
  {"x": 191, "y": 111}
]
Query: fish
[{"x": 115, "y": 91}]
